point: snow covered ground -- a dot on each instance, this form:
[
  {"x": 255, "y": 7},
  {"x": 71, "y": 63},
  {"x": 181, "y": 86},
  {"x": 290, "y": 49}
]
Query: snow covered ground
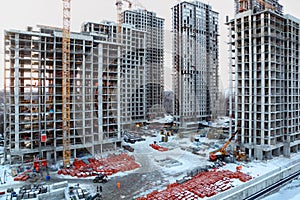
[{"x": 175, "y": 163}]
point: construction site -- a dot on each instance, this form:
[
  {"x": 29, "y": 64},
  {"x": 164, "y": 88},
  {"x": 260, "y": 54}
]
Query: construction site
[
  {"x": 161, "y": 165},
  {"x": 84, "y": 117},
  {"x": 72, "y": 96}
]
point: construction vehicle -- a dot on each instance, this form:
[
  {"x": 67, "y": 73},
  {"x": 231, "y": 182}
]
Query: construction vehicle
[
  {"x": 100, "y": 178},
  {"x": 128, "y": 148},
  {"x": 221, "y": 154},
  {"x": 239, "y": 154}
]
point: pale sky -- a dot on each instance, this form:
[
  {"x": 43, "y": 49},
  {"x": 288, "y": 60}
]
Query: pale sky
[{"x": 18, "y": 14}]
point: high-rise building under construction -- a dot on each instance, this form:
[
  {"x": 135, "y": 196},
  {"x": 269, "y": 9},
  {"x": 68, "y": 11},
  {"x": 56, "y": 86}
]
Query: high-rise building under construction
[
  {"x": 264, "y": 54},
  {"x": 195, "y": 63},
  {"x": 107, "y": 89},
  {"x": 154, "y": 27}
]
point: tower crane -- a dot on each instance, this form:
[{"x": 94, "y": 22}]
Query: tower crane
[
  {"x": 66, "y": 107},
  {"x": 119, "y": 4}
]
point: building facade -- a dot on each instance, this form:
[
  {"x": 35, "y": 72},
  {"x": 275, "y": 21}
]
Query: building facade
[
  {"x": 264, "y": 46},
  {"x": 133, "y": 70},
  {"x": 154, "y": 27},
  {"x": 195, "y": 63},
  {"x": 33, "y": 90}
]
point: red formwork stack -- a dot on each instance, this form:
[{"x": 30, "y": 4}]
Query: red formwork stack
[
  {"x": 23, "y": 176},
  {"x": 204, "y": 184},
  {"x": 107, "y": 166},
  {"x": 158, "y": 148}
]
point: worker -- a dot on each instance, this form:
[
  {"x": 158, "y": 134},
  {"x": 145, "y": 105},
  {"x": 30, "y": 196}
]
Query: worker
[
  {"x": 48, "y": 177},
  {"x": 99, "y": 188}
]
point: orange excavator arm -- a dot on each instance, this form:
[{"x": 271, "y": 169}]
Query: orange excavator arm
[
  {"x": 213, "y": 156},
  {"x": 228, "y": 141}
]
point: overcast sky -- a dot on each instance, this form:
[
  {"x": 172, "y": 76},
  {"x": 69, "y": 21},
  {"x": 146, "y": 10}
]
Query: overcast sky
[{"x": 18, "y": 14}]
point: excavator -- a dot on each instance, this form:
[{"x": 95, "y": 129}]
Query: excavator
[
  {"x": 239, "y": 154},
  {"x": 221, "y": 153}
]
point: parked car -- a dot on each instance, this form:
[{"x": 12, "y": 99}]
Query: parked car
[
  {"x": 128, "y": 148},
  {"x": 129, "y": 140}
]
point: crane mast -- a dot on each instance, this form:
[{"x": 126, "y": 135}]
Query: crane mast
[
  {"x": 66, "y": 107},
  {"x": 119, "y": 5}
]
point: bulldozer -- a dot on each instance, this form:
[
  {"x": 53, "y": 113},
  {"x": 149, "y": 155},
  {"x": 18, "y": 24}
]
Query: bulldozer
[{"x": 221, "y": 153}]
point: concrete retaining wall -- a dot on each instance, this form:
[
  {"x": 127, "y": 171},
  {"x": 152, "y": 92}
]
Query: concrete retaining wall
[
  {"x": 59, "y": 185},
  {"x": 259, "y": 183},
  {"x": 57, "y": 192},
  {"x": 53, "y": 195}
]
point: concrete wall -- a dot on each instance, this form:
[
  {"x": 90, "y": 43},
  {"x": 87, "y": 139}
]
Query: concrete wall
[
  {"x": 57, "y": 192},
  {"x": 259, "y": 183},
  {"x": 53, "y": 195}
]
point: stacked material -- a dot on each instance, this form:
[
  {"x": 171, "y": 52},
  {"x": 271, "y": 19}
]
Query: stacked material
[
  {"x": 204, "y": 184},
  {"x": 158, "y": 148},
  {"x": 107, "y": 166}
]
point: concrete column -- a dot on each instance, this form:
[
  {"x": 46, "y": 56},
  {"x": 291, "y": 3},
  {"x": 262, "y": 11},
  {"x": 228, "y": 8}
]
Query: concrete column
[
  {"x": 100, "y": 95},
  {"x": 119, "y": 92},
  {"x": 16, "y": 92},
  {"x": 258, "y": 154},
  {"x": 277, "y": 152},
  {"x": 287, "y": 149},
  {"x": 269, "y": 155},
  {"x": 74, "y": 153},
  {"x": 48, "y": 155}
]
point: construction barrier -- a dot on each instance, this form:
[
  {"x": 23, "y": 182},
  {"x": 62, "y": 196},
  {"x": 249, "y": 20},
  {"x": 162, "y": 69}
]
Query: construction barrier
[{"x": 204, "y": 184}]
